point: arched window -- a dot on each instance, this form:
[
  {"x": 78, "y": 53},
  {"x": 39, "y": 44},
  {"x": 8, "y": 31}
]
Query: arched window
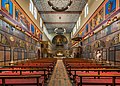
[
  {"x": 35, "y": 13},
  {"x": 86, "y": 10}
]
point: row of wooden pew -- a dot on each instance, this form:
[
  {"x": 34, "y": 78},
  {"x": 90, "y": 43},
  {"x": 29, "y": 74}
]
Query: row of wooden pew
[
  {"x": 27, "y": 73},
  {"x": 88, "y": 73}
]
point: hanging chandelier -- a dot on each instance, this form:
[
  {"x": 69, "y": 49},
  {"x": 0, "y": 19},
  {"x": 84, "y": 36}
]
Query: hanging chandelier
[{"x": 60, "y": 5}]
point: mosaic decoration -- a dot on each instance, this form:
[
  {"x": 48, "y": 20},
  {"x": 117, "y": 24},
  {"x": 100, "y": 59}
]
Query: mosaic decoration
[
  {"x": 22, "y": 19},
  {"x": 7, "y": 6},
  {"x": 110, "y": 6}
]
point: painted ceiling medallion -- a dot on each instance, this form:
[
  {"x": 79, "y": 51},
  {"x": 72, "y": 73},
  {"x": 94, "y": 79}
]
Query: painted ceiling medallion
[{"x": 60, "y": 5}]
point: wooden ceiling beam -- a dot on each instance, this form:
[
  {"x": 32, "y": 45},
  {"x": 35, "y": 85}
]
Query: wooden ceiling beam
[
  {"x": 64, "y": 12},
  {"x": 59, "y": 22}
]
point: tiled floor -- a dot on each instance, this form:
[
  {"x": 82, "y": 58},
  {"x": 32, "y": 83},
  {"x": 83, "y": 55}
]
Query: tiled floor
[{"x": 59, "y": 77}]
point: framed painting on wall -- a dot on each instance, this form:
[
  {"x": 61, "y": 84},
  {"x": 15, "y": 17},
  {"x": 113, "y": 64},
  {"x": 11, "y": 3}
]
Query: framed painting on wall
[
  {"x": 110, "y": 6},
  {"x": 32, "y": 29},
  {"x": 22, "y": 19},
  {"x": 7, "y": 6}
]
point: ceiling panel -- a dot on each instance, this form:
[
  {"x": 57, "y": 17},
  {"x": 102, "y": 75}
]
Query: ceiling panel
[{"x": 53, "y": 19}]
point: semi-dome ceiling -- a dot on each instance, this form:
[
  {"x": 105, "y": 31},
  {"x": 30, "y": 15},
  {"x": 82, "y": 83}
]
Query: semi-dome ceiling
[{"x": 59, "y": 40}]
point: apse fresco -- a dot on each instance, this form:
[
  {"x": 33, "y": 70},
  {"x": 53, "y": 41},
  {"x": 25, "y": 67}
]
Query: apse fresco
[
  {"x": 7, "y": 6},
  {"x": 59, "y": 40},
  {"x": 22, "y": 19},
  {"x": 110, "y": 6}
]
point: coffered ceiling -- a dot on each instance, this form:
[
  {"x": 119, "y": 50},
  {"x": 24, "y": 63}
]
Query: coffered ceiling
[{"x": 66, "y": 19}]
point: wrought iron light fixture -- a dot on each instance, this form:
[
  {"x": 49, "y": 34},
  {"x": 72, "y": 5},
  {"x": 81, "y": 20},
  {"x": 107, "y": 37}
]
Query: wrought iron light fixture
[{"x": 60, "y": 5}]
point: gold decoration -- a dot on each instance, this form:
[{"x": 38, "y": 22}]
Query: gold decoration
[{"x": 11, "y": 39}]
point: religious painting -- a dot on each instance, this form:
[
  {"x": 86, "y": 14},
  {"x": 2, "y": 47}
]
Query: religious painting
[
  {"x": 108, "y": 30},
  {"x": 110, "y": 6},
  {"x": 37, "y": 33},
  {"x": 4, "y": 39},
  {"x": 7, "y": 6},
  {"x": 115, "y": 39},
  {"x": 59, "y": 40},
  {"x": 91, "y": 25},
  {"x": 82, "y": 33},
  {"x": 32, "y": 29},
  {"x": 95, "y": 21},
  {"x": 100, "y": 16},
  {"x": 20, "y": 17},
  {"x": 87, "y": 29},
  {"x": 115, "y": 26},
  {"x": 99, "y": 44},
  {"x": 22, "y": 44}
]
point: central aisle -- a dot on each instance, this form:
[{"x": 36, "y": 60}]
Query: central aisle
[{"x": 59, "y": 76}]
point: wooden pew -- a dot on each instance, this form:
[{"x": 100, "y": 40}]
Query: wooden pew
[
  {"x": 37, "y": 77},
  {"x": 113, "y": 78}
]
